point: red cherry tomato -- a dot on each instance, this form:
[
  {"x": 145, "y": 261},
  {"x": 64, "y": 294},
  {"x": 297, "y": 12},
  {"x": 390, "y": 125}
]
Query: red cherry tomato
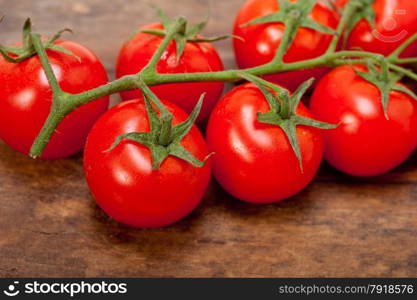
[
  {"x": 366, "y": 143},
  {"x": 197, "y": 57},
  {"x": 254, "y": 161},
  {"x": 26, "y": 100},
  {"x": 122, "y": 180},
  {"x": 260, "y": 42},
  {"x": 396, "y": 20}
]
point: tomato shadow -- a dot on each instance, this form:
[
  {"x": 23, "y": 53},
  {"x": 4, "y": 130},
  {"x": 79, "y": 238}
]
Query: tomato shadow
[
  {"x": 23, "y": 164},
  {"x": 153, "y": 242},
  {"x": 292, "y": 207},
  {"x": 327, "y": 180},
  {"x": 39, "y": 177},
  {"x": 402, "y": 174}
]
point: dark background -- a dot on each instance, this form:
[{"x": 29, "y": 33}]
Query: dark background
[{"x": 50, "y": 225}]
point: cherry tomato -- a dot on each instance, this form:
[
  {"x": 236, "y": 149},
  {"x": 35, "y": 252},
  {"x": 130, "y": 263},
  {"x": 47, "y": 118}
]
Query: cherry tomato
[
  {"x": 26, "y": 100},
  {"x": 396, "y": 21},
  {"x": 254, "y": 161},
  {"x": 260, "y": 42},
  {"x": 122, "y": 180},
  {"x": 366, "y": 143},
  {"x": 197, "y": 57}
]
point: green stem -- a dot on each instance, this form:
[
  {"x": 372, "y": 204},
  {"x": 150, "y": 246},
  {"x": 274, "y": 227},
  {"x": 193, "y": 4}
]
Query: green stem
[
  {"x": 155, "y": 100},
  {"x": 349, "y": 11},
  {"x": 403, "y": 71},
  {"x": 178, "y": 26},
  {"x": 233, "y": 75},
  {"x": 37, "y": 44},
  {"x": 286, "y": 40},
  {"x": 342, "y": 62},
  {"x": 396, "y": 54},
  {"x": 128, "y": 82},
  {"x": 404, "y": 61},
  {"x": 166, "y": 130},
  {"x": 59, "y": 109},
  {"x": 54, "y": 119}
]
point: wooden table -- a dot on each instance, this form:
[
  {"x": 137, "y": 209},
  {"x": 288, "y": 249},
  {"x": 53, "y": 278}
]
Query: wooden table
[{"x": 50, "y": 225}]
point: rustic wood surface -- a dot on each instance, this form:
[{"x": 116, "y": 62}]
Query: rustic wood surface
[{"x": 50, "y": 225}]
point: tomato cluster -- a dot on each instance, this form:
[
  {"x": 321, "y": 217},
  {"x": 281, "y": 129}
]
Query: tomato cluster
[{"x": 255, "y": 159}]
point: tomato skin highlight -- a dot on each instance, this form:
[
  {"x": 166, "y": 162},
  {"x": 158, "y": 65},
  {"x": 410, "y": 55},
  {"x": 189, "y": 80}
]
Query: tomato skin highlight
[
  {"x": 122, "y": 180},
  {"x": 396, "y": 21},
  {"x": 197, "y": 57},
  {"x": 253, "y": 161},
  {"x": 366, "y": 143},
  {"x": 260, "y": 42},
  {"x": 26, "y": 100}
]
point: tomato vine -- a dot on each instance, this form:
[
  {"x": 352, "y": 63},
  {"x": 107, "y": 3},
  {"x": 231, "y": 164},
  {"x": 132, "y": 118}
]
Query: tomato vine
[{"x": 64, "y": 103}]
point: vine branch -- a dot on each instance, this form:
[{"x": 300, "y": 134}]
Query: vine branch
[{"x": 64, "y": 103}]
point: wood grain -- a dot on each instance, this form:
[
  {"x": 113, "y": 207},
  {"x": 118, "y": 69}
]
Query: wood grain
[{"x": 50, "y": 225}]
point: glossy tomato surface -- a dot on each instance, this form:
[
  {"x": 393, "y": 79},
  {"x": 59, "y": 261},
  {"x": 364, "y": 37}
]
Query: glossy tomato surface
[
  {"x": 197, "y": 57},
  {"x": 396, "y": 21},
  {"x": 122, "y": 180},
  {"x": 26, "y": 100},
  {"x": 254, "y": 161},
  {"x": 365, "y": 143},
  {"x": 260, "y": 42}
]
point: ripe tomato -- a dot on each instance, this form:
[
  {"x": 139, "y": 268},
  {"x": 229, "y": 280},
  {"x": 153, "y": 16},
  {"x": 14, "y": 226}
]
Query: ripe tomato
[
  {"x": 122, "y": 180},
  {"x": 366, "y": 143},
  {"x": 197, "y": 57},
  {"x": 26, "y": 100},
  {"x": 260, "y": 42},
  {"x": 254, "y": 161},
  {"x": 396, "y": 21}
]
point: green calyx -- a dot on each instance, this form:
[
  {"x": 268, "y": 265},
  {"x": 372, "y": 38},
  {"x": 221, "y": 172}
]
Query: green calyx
[
  {"x": 293, "y": 15},
  {"x": 385, "y": 80},
  {"x": 164, "y": 139},
  {"x": 187, "y": 32},
  {"x": 364, "y": 11},
  {"x": 27, "y": 50},
  {"x": 283, "y": 107}
]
